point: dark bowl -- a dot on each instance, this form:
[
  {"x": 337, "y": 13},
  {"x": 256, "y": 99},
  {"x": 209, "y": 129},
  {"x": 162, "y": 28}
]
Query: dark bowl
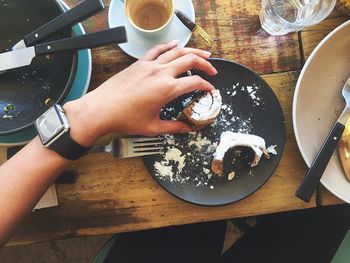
[{"x": 48, "y": 77}]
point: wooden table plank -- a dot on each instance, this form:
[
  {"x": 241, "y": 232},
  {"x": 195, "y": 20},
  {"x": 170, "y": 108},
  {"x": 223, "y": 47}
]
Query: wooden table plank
[
  {"x": 113, "y": 196},
  {"x": 311, "y": 36},
  {"x": 236, "y": 27},
  {"x": 325, "y": 197}
]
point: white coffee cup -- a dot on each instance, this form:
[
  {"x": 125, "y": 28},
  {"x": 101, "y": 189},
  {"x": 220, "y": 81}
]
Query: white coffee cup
[{"x": 149, "y": 17}]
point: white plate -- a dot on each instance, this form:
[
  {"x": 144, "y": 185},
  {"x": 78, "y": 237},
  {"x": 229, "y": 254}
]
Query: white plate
[
  {"x": 318, "y": 103},
  {"x": 138, "y": 45}
]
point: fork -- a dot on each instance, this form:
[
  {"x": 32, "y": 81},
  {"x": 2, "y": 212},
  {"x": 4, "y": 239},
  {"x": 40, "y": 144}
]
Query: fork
[{"x": 123, "y": 147}]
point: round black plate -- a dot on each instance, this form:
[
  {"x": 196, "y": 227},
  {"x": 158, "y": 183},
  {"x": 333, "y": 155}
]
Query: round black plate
[
  {"x": 27, "y": 88},
  {"x": 249, "y": 106}
]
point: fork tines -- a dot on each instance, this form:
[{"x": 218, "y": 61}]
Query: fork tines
[{"x": 148, "y": 145}]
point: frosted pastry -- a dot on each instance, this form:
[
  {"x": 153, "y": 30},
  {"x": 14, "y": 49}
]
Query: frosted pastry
[
  {"x": 230, "y": 140},
  {"x": 202, "y": 111}
]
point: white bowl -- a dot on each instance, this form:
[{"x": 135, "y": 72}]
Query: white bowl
[{"x": 318, "y": 103}]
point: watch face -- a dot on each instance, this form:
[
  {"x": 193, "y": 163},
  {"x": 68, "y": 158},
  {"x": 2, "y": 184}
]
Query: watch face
[{"x": 49, "y": 125}]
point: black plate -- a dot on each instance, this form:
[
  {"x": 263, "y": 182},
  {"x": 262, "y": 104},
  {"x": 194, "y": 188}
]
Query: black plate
[
  {"x": 27, "y": 88},
  {"x": 250, "y": 106}
]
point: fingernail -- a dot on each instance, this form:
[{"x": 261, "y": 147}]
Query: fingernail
[
  {"x": 207, "y": 52},
  {"x": 176, "y": 41}
]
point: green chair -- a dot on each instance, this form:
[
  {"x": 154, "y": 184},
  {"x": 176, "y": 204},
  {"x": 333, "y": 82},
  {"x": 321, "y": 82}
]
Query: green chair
[
  {"x": 102, "y": 254},
  {"x": 343, "y": 253}
]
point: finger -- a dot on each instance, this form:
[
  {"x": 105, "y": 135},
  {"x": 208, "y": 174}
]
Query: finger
[
  {"x": 179, "y": 52},
  {"x": 189, "y": 62},
  {"x": 189, "y": 84},
  {"x": 171, "y": 127},
  {"x": 157, "y": 50}
]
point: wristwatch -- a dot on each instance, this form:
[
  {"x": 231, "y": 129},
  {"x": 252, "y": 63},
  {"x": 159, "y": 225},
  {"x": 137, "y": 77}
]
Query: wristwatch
[{"x": 54, "y": 132}]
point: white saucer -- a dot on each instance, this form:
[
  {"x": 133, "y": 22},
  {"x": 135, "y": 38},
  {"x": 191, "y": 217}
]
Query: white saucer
[{"x": 138, "y": 45}]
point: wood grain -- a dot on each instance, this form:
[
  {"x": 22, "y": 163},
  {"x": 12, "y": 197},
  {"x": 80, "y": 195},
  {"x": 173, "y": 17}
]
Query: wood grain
[
  {"x": 327, "y": 198},
  {"x": 311, "y": 36},
  {"x": 112, "y": 196},
  {"x": 236, "y": 28}
]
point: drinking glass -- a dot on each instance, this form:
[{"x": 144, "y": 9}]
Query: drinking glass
[{"x": 279, "y": 17}]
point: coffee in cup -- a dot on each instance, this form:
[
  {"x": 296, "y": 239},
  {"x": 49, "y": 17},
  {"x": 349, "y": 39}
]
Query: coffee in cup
[{"x": 149, "y": 16}]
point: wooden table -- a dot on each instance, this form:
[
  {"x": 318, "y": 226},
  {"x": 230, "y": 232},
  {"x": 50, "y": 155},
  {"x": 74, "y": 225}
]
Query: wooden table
[{"x": 112, "y": 196}]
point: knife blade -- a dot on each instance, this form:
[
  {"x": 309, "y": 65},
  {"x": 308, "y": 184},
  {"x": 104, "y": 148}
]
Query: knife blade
[
  {"x": 319, "y": 164},
  {"x": 23, "y": 57},
  {"x": 78, "y": 13}
]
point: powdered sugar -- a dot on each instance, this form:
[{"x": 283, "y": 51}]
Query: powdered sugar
[
  {"x": 172, "y": 165},
  {"x": 250, "y": 89}
]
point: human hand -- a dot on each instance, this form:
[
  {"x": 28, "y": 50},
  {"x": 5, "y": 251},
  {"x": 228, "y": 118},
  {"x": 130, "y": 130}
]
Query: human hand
[{"x": 130, "y": 102}]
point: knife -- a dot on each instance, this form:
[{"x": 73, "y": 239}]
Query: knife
[
  {"x": 318, "y": 166},
  {"x": 23, "y": 57},
  {"x": 76, "y": 14}
]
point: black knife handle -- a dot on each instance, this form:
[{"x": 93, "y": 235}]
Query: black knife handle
[
  {"x": 185, "y": 20},
  {"x": 78, "y": 13},
  {"x": 105, "y": 37},
  {"x": 318, "y": 166}
]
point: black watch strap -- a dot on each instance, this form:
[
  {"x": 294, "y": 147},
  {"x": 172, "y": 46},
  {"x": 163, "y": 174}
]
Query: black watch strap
[{"x": 68, "y": 148}]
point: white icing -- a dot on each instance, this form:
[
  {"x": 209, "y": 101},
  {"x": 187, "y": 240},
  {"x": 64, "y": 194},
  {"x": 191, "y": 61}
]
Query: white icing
[
  {"x": 230, "y": 139},
  {"x": 271, "y": 149},
  {"x": 208, "y": 107}
]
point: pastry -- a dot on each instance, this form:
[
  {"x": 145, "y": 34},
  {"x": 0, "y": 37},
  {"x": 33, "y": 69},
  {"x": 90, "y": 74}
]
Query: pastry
[
  {"x": 252, "y": 147},
  {"x": 202, "y": 111},
  {"x": 344, "y": 150}
]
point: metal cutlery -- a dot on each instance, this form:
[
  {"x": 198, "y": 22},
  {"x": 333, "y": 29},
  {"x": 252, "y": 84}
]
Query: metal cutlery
[
  {"x": 23, "y": 57},
  {"x": 131, "y": 147},
  {"x": 22, "y": 53},
  {"x": 318, "y": 166},
  {"x": 74, "y": 15}
]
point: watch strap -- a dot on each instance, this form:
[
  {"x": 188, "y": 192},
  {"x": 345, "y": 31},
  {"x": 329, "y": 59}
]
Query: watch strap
[{"x": 68, "y": 148}]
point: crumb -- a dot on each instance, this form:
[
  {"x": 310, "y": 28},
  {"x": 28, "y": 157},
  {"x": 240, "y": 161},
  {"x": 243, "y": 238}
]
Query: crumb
[{"x": 231, "y": 176}]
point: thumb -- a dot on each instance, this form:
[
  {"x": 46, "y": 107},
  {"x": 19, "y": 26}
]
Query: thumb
[{"x": 173, "y": 127}]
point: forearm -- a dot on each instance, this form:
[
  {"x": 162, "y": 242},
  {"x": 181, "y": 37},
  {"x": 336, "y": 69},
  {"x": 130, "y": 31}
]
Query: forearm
[{"x": 26, "y": 176}]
